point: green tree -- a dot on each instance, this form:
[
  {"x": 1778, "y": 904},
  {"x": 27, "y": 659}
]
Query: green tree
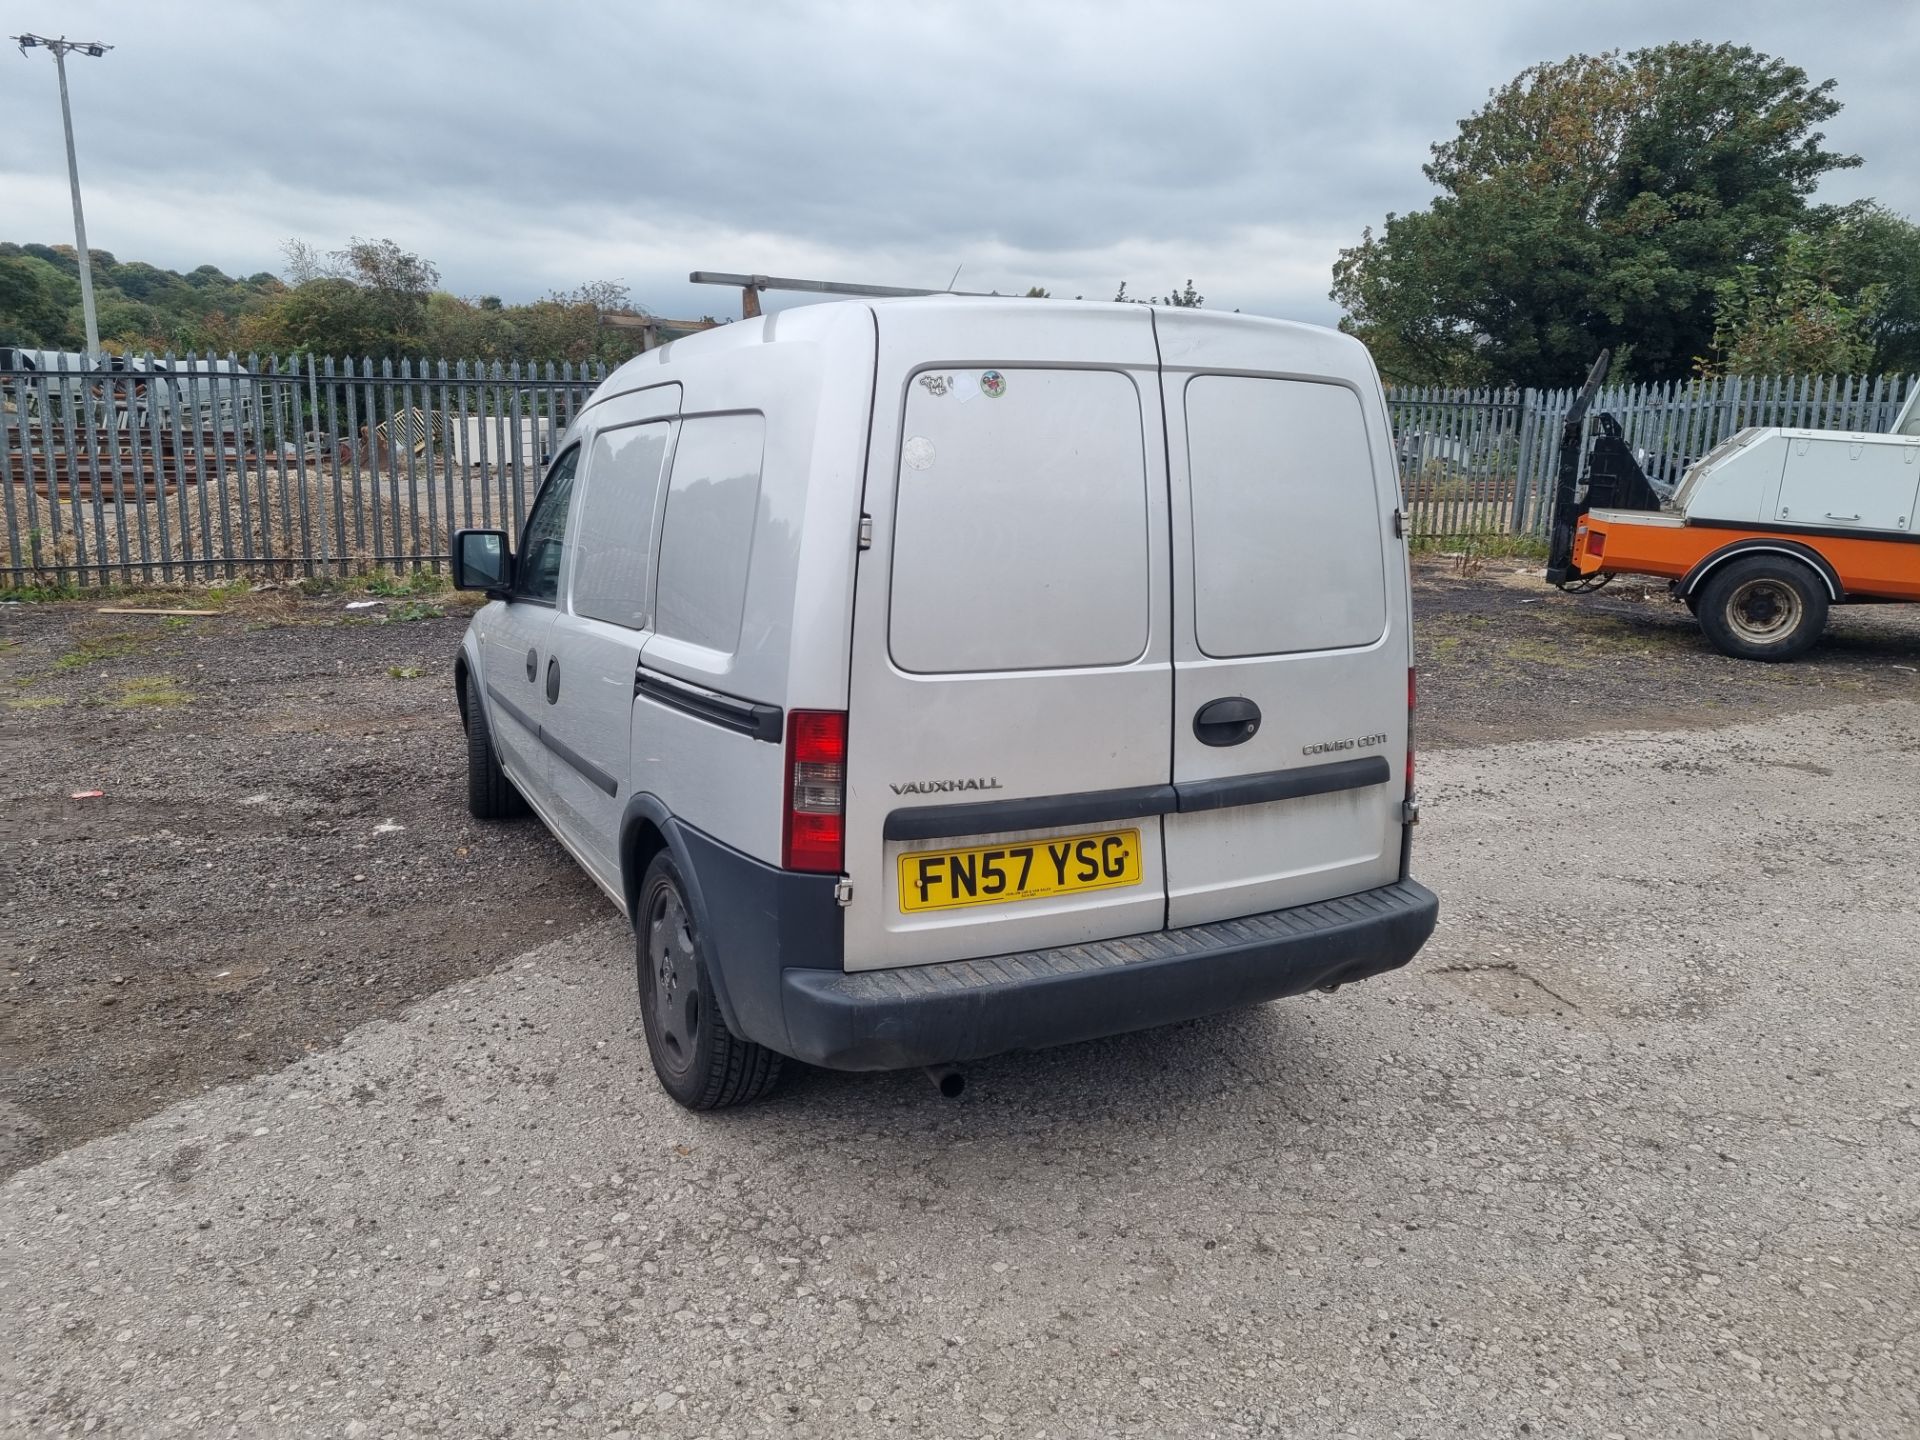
[
  {"x": 1790, "y": 319},
  {"x": 1596, "y": 201},
  {"x": 327, "y": 316},
  {"x": 1869, "y": 247},
  {"x": 368, "y": 299},
  {"x": 1843, "y": 296},
  {"x": 1186, "y": 299},
  {"x": 35, "y": 302}
]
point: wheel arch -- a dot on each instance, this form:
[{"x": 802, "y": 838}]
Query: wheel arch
[
  {"x": 643, "y": 834},
  {"x": 460, "y": 672},
  {"x": 647, "y": 827},
  {"x": 1691, "y": 582}
]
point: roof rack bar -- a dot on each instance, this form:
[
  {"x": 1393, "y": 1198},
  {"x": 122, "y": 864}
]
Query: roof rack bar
[{"x": 814, "y": 287}]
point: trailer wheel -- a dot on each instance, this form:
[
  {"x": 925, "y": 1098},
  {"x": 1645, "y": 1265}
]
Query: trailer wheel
[{"x": 1763, "y": 607}]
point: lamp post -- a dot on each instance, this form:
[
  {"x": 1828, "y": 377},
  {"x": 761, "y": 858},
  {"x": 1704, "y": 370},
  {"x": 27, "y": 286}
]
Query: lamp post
[{"x": 60, "y": 48}]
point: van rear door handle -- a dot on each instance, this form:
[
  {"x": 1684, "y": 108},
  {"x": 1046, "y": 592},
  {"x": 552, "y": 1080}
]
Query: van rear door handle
[
  {"x": 1231, "y": 720},
  {"x": 553, "y": 679}
]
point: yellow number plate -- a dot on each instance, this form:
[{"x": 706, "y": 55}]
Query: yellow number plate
[{"x": 1023, "y": 870}]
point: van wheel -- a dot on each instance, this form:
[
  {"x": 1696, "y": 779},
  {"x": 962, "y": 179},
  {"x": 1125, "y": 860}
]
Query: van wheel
[
  {"x": 700, "y": 1062},
  {"x": 490, "y": 794},
  {"x": 1764, "y": 607}
]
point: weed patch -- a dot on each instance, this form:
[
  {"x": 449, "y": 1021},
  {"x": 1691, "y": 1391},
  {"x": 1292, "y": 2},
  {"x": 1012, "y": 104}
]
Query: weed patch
[
  {"x": 38, "y": 594},
  {"x": 34, "y": 702},
  {"x": 403, "y": 672},
  {"x": 413, "y": 610},
  {"x": 416, "y": 582},
  {"x": 1531, "y": 651},
  {"x": 1474, "y": 548},
  {"x": 92, "y": 649},
  {"x": 150, "y": 692}
]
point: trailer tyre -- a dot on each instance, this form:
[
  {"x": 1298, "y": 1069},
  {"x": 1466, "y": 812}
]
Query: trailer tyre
[{"x": 1763, "y": 607}]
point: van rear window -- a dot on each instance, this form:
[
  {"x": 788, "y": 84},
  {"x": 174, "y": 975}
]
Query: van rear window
[
  {"x": 1020, "y": 522},
  {"x": 1286, "y": 518},
  {"x": 707, "y": 537}
]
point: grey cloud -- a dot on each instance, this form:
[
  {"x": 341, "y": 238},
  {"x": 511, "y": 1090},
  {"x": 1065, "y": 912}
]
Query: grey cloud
[{"x": 1049, "y": 136}]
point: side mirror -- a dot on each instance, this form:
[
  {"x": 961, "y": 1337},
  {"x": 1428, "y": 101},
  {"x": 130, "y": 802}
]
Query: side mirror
[{"x": 481, "y": 561}]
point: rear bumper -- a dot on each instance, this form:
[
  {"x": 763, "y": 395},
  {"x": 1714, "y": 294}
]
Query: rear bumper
[{"x": 967, "y": 1009}]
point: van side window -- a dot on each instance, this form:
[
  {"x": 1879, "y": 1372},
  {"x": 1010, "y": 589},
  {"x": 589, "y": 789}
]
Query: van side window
[
  {"x": 537, "y": 572},
  {"x": 1020, "y": 523},
  {"x": 708, "y": 535},
  {"x": 1286, "y": 517},
  {"x": 613, "y": 556}
]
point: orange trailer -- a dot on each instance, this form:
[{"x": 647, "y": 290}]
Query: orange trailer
[{"x": 1761, "y": 536}]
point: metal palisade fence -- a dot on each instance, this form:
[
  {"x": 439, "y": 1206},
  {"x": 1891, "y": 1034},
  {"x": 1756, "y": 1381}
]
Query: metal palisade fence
[
  {"x": 197, "y": 469},
  {"x": 1481, "y": 462}
]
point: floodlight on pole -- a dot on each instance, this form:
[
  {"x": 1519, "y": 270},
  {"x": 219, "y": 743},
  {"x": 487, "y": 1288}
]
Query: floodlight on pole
[{"x": 60, "y": 49}]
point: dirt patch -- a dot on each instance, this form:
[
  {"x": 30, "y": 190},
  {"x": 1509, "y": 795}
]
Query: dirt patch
[
  {"x": 1503, "y": 656},
  {"x": 282, "y": 849}
]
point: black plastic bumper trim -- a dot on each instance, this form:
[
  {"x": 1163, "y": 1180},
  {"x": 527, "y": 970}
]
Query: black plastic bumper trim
[
  {"x": 1824, "y": 531},
  {"x": 1042, "y": 812},
  {"x": 1039, "y": 812},
  {"x": 745, "y": 717},
  {"x": 968, "y": 1009},
  {"x": 1197, "y": 795}
]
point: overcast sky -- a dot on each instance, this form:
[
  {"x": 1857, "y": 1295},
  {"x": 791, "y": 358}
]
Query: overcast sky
[{"x": 527, "y": 147}]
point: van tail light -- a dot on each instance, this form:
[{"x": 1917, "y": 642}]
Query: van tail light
[
  {"x": 1412, "y": 695},
  {"x": 815, "y": 835}
]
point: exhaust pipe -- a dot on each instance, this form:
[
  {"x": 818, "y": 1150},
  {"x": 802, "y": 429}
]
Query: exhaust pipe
[{"x": 948, "y": 1080}]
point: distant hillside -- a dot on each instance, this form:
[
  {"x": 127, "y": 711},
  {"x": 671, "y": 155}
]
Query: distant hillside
[
  {"x": 370, "y": 299},
  {"x": 140, "y": 305}
]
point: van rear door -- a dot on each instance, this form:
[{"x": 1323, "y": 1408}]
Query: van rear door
[
  {"x": 1290, "y": 631},
  {"x": 1011, "y": 686}
]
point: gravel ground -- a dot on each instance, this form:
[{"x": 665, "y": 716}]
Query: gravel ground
[
  {"x": 1504, "y": 657},
  {"x": 1632, "y": 1149},
  {"x": 282, "y": 851}
]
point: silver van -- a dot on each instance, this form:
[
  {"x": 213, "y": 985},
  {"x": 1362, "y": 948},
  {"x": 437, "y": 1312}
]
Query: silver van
[{"x": 928, "y": 679}]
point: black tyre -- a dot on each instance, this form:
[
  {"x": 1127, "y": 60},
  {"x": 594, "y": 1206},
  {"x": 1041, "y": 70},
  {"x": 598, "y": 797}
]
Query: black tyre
[
  {"x": 1763, "y": 607},
  {"x": 490, "y": 794},
  {"x": 700, "y": 1062}
]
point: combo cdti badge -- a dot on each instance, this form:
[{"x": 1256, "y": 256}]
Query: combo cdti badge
[{"x": 932, "y": 678}]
